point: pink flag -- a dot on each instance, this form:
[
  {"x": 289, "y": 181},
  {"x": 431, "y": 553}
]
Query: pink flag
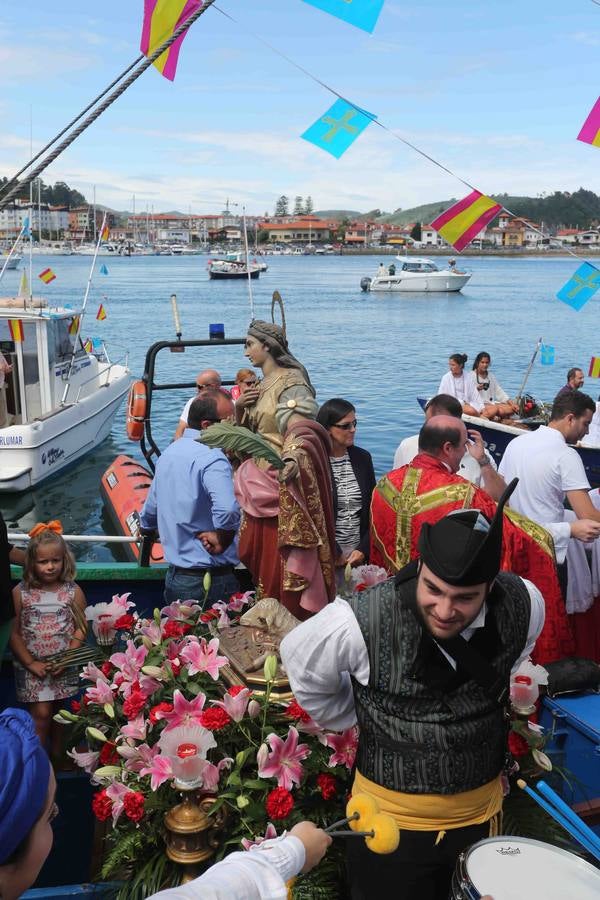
[
  {"x": 590, "y": 133},
  {"x": 161, "y": 20}
]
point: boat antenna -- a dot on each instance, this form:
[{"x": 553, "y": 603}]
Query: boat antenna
[
  {"x": 278, "y": 301},
  {"x": 250, "y": 295},
  {"x": 17, "y": 186},
  {"x": 82, "y": 313},
  {"x": 528, "y": 372}
]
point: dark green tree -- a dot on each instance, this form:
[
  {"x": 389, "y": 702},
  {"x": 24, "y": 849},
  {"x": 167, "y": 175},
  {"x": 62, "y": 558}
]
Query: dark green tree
[
  {"x": 309, "y": 206},
  {"x": 415, "y": 232},
  {"x": 298, "y": 206},
  {"x": 282, "y": 206}
]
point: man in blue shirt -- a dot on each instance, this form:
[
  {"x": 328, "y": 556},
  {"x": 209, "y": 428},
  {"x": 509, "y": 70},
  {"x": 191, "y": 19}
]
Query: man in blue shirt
[{"x": 192, "y": 504}]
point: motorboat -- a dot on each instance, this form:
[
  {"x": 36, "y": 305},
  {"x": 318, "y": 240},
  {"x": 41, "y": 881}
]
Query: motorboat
[
  {"x": 59, "y": 399},
  {"x": 10, "y": 262},
  {"x": 416, "y": 274}
]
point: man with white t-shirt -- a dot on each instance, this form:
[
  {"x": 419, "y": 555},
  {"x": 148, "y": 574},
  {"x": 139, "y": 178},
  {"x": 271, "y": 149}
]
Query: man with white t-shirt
[
  {"x": 477, "y": 465},
  {"x": 550, "y": 471},
  {"x": 208, "y": 378}
]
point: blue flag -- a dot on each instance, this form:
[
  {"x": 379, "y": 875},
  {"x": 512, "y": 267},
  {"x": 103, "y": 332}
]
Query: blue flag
[
  {"x": 103, "y": 270},
  {"x": 338, "y": 128},
  {"x": 26, "y": 228},
  {"x": 547, "y": 354},
  {"x": 362, "y": 13},
  {"x": 581, "y": 286}
]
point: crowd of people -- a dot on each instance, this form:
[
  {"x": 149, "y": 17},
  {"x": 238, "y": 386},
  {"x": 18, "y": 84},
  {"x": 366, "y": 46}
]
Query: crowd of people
[{"x": 479, "y": 559}]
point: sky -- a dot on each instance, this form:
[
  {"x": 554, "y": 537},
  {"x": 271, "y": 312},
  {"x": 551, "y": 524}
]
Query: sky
[{"x": 496, "y": 91}]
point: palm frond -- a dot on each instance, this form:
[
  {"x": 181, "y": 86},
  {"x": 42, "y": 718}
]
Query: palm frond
[{"x": 240, "y": 440}]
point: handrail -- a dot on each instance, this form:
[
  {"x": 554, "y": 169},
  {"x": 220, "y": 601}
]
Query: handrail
[
  {"x": 122, "y": 360},
  {"x": 19, "y": 538}
]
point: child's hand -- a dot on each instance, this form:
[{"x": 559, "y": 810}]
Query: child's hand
[{"x": 38, "y": 668}]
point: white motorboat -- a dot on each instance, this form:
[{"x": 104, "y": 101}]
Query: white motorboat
[
  {"x": 12, "y": 263},
  {"x": 416, "y": 274},
  {"x": 58, "y": 401},
  {"x": 233, "y": 265}
]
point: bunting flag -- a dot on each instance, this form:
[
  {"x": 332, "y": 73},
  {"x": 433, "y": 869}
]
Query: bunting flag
[
  {"x": 74, "y": 326},
  {"x": 462, "y": 222},
  {"x": 547, "y": 355},
  {"x": 161, "y": 20},
  {"x": 590, "y": 133},
  {"x": 581, "y": 286},
  {"x": 47, "y": 276},
  {"x": 15, "y": 326},
  {"x": 101, "y": 314},
  {"x": 105, "y": 233},
  {"x": 103, "y": 269},
  {"x": 338, "y": 128},
  {"x": 361, "y": 13},
  {"x": 594, "y": 371},
  {"x": 26, "y": 229},
  {"x": 87, "y": 345},
  {"x": 23, "y": 285}
]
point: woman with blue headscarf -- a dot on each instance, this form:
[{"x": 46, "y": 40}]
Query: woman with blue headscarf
[{"x": 27, "y": 807}]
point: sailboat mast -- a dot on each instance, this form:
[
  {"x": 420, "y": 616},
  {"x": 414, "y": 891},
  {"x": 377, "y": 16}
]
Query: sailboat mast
[{"x": 250, "y": 296}]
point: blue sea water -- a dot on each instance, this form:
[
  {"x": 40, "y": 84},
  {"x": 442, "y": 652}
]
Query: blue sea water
[{"x": 377, "y": 351}]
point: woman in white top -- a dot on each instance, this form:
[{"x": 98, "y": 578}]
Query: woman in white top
[
  {"x": 498, "y": 405},
  {"x": 459, "y": 385}
]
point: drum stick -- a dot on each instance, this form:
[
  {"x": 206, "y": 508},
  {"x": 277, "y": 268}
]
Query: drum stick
[
  {"x": 558, "y": 817},
  {"x": 568, "y": 813},
  {"x": 339, "y": 822},
  {"x": 351, "y": 833}
]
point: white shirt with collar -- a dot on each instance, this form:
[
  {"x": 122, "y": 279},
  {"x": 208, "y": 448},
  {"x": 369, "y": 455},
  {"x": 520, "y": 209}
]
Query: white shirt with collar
[{"x": 321, "y": 654}]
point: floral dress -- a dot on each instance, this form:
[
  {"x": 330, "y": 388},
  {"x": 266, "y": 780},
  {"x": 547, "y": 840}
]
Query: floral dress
[{"x": 47, "y": 626}]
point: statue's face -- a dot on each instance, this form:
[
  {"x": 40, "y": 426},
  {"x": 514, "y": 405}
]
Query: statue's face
[{"x": 256, "y": 351}]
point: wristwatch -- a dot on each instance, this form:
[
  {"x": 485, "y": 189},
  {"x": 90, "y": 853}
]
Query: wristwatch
[{"x": 486, "y": 461}]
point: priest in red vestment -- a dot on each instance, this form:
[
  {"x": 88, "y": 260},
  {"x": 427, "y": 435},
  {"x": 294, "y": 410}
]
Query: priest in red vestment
[{"x": 428, "y": 489}]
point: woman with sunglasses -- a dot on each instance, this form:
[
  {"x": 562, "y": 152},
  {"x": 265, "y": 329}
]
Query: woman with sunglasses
[
  {"x": 244, "y": 380},
  {"x": 353, "y": 479}
]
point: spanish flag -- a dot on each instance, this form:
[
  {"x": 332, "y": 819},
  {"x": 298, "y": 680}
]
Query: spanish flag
[
  {"x": 161, "y": 19},
  {"x": 74, "y": 326},
  {"x": 594, "y": 371},
  {"x": 47, "y": 276},
  {"x": 105, "y": 233},
  {"x": 101, "y": 314},
  {"x": 87, "y": 345},
  {"x": 15, "y": 326},
  {"x": 462, "y": 222}
]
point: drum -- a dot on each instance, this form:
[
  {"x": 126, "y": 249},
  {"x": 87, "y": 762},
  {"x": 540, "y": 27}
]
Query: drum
[{"x": 516, "y": 868}]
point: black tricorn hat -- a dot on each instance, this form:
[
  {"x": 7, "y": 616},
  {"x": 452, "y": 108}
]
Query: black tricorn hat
[{"x": 464, "y": 547}]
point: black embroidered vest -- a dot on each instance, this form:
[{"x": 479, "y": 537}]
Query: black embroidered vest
[{"x": 425, "y": 728}]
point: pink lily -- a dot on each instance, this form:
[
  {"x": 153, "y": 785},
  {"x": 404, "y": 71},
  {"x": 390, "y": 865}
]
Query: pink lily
[
  {"x": 185, "y": 712},
  {"x": 101, "y": 694},
  {"x": 149, "y": 685},
  {"x": 152, "y": 631},
  {"x": 223, "y": 620},
  {"x": 238, "y": 601},
  {"x": 212, "y": 773},
  {"x": 131, "y": 661},
  {"x": 180, "y": 610},
  {"x": 86, "y": 761},
  {"x": 116, "y": 791},
  {"x": 160, "y": 769},
  {"x": 92, "y": 673},
  {"x": 136, "y": 729},
  {"x": 236, "y": 706},
  {"x": 202, "y": 657},
  {"x": 344, "y": 746},
  {"x": 137, "y": 757},
  {"x": 284, "y": 760},
  {"x": 270, "y": 833}
]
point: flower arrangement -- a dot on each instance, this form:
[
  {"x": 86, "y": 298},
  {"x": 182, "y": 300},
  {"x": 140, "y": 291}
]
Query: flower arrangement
[{"x": 157, "y": 717}]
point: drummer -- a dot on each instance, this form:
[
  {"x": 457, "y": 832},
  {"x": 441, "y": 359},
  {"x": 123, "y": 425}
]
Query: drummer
[{"x": 422, "y": 663}]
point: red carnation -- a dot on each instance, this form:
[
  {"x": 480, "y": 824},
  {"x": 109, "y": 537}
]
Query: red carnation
[
  {"x": 214, "y": 718},
  {"x": 517, "y": 744},
  {"x": 159, "y": 708},
  {"x": 208, "y": 615},
  {"x": 295, "y": 711},
  {"x": 133, "y": 803},
  {"x": 175, "y": 629},
  {"x": 107, "y": 668},
  {"x": 327, "y": 785},
  {"x": 125, "y": 622},
  {"x": 175, "y": 667},
  {"x": 279, "y": 803},
  {"x": 75, "y": 706},
  {"x": 101, "y": 805},
  {"x": 134, "y": 704},
  {"x": 108, "y": 754},
  {"x": 235, "y": 689},
  {"x": 360, "y": 587}
]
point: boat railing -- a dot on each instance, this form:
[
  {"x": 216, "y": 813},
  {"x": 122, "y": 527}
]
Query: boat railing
[
  {"x": 121, "y": 361},
  {"x": 15, "y": 537}
]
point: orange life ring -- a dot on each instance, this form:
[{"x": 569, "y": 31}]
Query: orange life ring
[{"x": 136, "y": 410}]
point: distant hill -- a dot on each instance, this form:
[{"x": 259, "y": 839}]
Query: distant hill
[{"x": 339, "y": 214}]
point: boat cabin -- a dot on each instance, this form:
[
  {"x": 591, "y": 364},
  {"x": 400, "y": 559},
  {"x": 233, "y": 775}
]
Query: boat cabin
[{"x": 415, "y": 264}]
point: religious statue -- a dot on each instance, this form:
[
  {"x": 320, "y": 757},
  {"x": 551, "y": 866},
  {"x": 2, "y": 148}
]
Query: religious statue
[{"x": 287, "y": 536}]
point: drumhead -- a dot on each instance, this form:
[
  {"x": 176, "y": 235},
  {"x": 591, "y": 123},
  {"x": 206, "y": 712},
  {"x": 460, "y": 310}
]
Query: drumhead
[{"x": 516, "y": 868}]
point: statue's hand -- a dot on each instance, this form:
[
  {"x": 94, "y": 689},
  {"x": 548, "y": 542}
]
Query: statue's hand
[
  {"x": 289, "y": 471},
  {"x": 248, "y": 398}
]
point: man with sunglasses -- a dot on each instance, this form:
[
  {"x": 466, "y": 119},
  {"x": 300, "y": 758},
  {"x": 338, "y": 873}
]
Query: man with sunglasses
[
  {"x": 192, "y": 505},
  {"x": 208, "y": 378}
]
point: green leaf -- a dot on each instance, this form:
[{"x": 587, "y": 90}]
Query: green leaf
[
  {"x": 234, "y": 778},
  {"x": 240, "y": 440},
  {"x": 256, "y": 783}
]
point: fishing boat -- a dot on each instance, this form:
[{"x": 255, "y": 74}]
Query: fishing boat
[
  {"x": 233, "y": 268},
  {"x": 416, "y": 274},
  {"x": 58, "y": 401}
]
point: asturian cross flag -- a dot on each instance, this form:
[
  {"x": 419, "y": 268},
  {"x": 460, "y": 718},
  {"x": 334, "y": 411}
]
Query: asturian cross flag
[
  {"x": 361, "y": 13},
  {"x": 161, "y": 19},
  {"x": 338, "y": 128},
  {"x": 547, "y": 354},
  {"x": 581, "y": 286}
]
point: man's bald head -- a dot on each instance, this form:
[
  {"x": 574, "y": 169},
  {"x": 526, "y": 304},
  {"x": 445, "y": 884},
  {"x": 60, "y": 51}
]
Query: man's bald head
[
  {"x": 208, "y": 378},
  {"x": 444, "y": 437}
]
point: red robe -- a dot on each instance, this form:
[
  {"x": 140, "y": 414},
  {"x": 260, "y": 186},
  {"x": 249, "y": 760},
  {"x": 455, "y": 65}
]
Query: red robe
[{"x": 425, "y": 491}]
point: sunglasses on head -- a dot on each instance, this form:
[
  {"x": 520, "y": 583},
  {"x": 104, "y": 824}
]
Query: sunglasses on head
[{"x": 347, "y": 425}]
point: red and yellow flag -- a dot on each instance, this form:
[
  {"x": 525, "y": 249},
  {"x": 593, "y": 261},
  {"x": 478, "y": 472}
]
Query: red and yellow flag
[
  {"x": 87, "y": 345},
  {"x": 47, "y": 276},
  {"x": 74, "y": 326},
  {"x": 105, "y": 233},
  {"x": 15, "y": 326},
  {"x": 101, "y": 314},
  {"x": 594, "y": 371},
  {"x": 161, "y": 20},
  {"x": 462, "y": 222}
]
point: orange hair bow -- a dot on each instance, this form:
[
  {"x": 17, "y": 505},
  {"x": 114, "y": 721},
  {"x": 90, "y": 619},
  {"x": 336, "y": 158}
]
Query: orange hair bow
[{"x": 54, "y": 525}]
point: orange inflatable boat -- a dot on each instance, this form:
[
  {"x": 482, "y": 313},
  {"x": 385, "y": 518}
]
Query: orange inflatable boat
[{"x": 124, "y": 488}]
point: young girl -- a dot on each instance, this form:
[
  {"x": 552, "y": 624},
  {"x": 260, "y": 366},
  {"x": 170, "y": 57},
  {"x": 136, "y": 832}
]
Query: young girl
[{"x": 45, "y": 624}]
